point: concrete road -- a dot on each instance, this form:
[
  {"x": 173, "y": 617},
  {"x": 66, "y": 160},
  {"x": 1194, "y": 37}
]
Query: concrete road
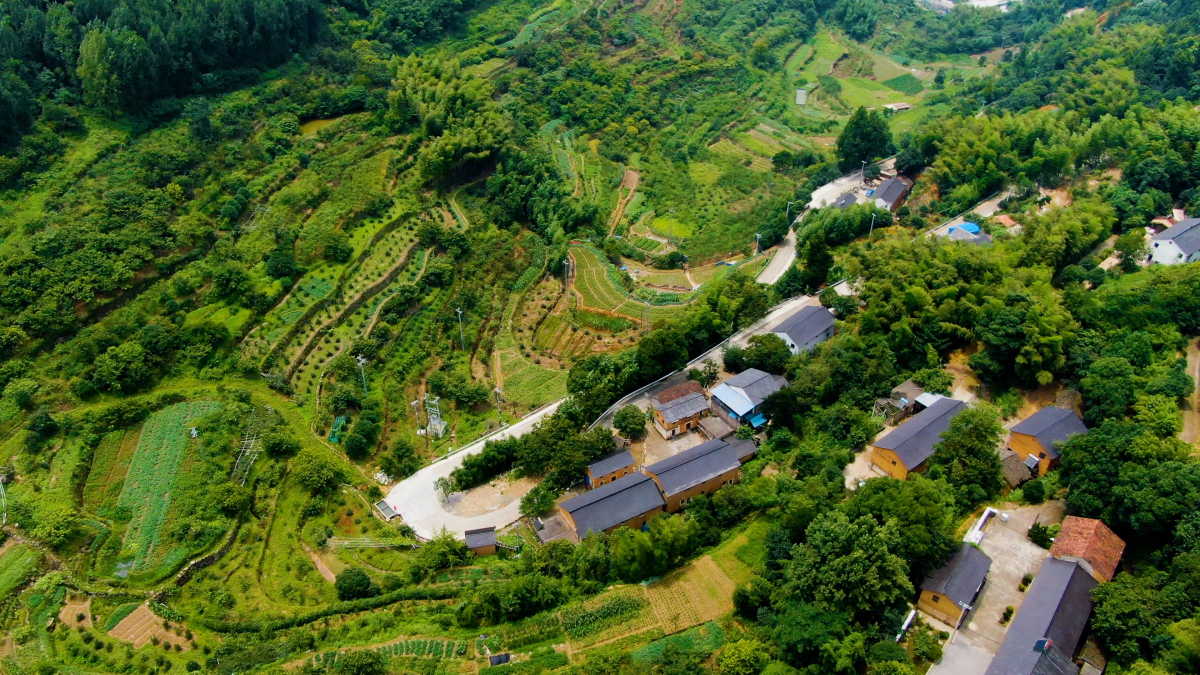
[
  {"x": 985, "y": 209},
  {"x": 641, "y": 398},
  {"x": 829, "y": 192},
  {"x": 960, "y": 656},
  {"x": 421, "y": 507},
  {"x": 784, "y": 255}
]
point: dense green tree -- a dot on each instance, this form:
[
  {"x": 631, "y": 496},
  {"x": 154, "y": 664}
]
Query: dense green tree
[
  {"x": 850, "y": 564},
  {"x": 966, "y": 456},
  {"x": 630, "y": 421},
  {"x": 866, "y": 136}
]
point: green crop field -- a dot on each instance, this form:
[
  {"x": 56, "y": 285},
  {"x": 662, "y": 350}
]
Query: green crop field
[
  {"x": 906, "y": 83},
  {"x": 530, "y": 384},
  {"x": 17, "y": 563},
  {"x": 147, "y": 490},
  {"x": 671, "y": 227}
]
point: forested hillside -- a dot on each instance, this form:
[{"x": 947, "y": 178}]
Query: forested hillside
[{"x": 255, "y": 251}]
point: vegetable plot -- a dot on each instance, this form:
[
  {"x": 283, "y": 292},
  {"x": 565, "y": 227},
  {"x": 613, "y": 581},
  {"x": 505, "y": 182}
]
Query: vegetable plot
[{"x": 147, "y": 490}]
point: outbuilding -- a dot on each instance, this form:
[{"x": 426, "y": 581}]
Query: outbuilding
[
  {"x": 481, "y": 541},
  {"x": 892, "y": 192},
  {"x": 1090, "y": 543},
  {"x": 678, "y": 409}
]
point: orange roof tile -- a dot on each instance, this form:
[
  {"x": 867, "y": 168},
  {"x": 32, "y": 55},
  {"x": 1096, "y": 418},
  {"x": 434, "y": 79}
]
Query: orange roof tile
[
  {"x": 1091, "y": 540},
  {"x": 679, "y": 391}
]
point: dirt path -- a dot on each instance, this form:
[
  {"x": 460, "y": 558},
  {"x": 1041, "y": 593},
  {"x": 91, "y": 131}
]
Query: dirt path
[
  {"x": 321, "y": 566},
  {"x": 1191, "y": 407},
  {"x": 576, "y": 172},
  {"x": 458, "y": 213},
  {"x": 497, "y": 371},
  {"x": 630, "y": 180}
]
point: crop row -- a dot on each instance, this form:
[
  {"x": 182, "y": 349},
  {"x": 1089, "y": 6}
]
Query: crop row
[
  {"x": 579, "y": 621},
  {"x": 156, "y": 461}
]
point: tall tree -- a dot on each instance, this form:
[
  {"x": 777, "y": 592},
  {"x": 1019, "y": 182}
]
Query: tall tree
[
  {"x": 865, "y": 137},
  {"x": 967, "y": 457}
]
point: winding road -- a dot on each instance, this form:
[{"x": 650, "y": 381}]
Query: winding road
[{"x": 418, "y": 503}]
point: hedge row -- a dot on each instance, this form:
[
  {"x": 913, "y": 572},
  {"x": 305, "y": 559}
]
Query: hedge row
[{"x": 346, "y": 607}]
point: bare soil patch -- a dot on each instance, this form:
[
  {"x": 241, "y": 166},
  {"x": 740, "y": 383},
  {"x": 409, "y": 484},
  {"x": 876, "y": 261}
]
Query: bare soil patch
[
  {"x": 142, "y": 626},
  {"x": 74, "y": 607},
  {"x": 494, "y": 495}
]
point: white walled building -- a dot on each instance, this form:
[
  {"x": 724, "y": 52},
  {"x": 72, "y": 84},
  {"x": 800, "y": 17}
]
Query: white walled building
[{"x": 1178, "y": 244}]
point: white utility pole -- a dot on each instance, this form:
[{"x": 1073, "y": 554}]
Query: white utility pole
[
  {"x": 362, "y": 361},
  {"x": 461, "y": 340}
]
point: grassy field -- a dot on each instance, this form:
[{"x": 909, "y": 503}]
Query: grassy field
[
  {"x": 110, "y": 462},
  {"x": 17, "y": 563},
  {"x": 147, "y": 489},
  {"x": 826, "y": 52},
  {"x": 857, "y": 91},
  {"x": 743, "y": 156},
  {"x": 671, "y": 227}
]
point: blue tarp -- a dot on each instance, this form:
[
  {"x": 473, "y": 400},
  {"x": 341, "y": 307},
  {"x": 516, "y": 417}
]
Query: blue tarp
[
  {"x": 758, "y": 420},
  {"x": 971, "y": 227}
]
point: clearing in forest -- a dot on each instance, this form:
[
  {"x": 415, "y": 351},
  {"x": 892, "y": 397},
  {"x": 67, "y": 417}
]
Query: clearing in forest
[{"x": 156, "y": 461}]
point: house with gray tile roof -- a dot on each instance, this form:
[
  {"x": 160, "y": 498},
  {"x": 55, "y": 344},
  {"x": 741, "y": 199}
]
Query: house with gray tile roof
[
  {"x": 608, "y": 468},
  {"x": 700, "y": 470},
  {"x": 1177, "y": 244},
  {"x": 630, "y": 501},
  {"x": 906, "y": 448},
  {"x": 805, "y": 328},
  {"x": 1045, "y": 634},
  {"x": 949, "y": 593}
]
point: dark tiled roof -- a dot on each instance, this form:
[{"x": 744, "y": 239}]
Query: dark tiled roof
[
  {"x": 1050, "y": 425},
  {"x": 806, "y": 324},
  {"x": 743, "y": 449},
  {"x": 612, "y": 504},
  {"x": 681, "y": 408},
  {"x": 908, "y": 390},
  {"x": 846, "y": 200},
  {"x": 485, "y": 536},
  {"x": 1186, "y": 235},
  {"x": 962, "y": 577},
  {"x": 498, "y": 659},
  {"x": 893, "y": 190},
  {"x": 1057, "y": 606},
  {"x": 913, "y": 441},
  {"x": 610, "y": 463},
  {"x": 1091, "y": 540},
  {"x": 694, "y": 466},
  {"x": 678, "y": 391},
  {"x": 757, "y": 384}
]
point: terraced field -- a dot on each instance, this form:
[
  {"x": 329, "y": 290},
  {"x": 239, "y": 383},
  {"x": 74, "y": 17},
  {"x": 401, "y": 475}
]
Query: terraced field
[
  {"x": 598, "y": 291},
  {"x": 110, "y": 462},
  {"x": 147, "y": 489},
  {"x": 728, "y": 148}
]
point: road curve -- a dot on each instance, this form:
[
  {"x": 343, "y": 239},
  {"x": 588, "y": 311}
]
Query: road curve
[
  {"x": 420, "y": 506},
  {"x": 784, "y": 255}
]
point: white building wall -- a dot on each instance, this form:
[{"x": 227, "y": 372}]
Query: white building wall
[{"x": 1165, "y": 252}]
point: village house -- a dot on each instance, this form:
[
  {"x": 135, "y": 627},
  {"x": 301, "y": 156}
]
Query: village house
[
  {"x": 1177, "y": 244},
  {"x": 696, "y": 471},
  {"x": 907, "y": 447},
  {"x": 678, "y": 409},
  {"x": 892, "y": 192},
  {"x": 1090, "y": 543},
  {"x": 1045, "y": 634},
  {"x": 805, "y": 328},
  {"x": 948, "y": 593},
  {"x": 1036, "y": 438},
  {"x": 737, "y": 399},
  {"x": 630, "y": 501},
  {"x": 608, "y": 468}
]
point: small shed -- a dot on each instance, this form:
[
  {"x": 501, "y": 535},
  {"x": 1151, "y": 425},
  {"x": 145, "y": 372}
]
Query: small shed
[
  {"x": 1090, "y": 543},
  {"x": 949, "y": 592},
  {"x": 499, "y": 659},
  {"x": 482, "y": 541}
]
